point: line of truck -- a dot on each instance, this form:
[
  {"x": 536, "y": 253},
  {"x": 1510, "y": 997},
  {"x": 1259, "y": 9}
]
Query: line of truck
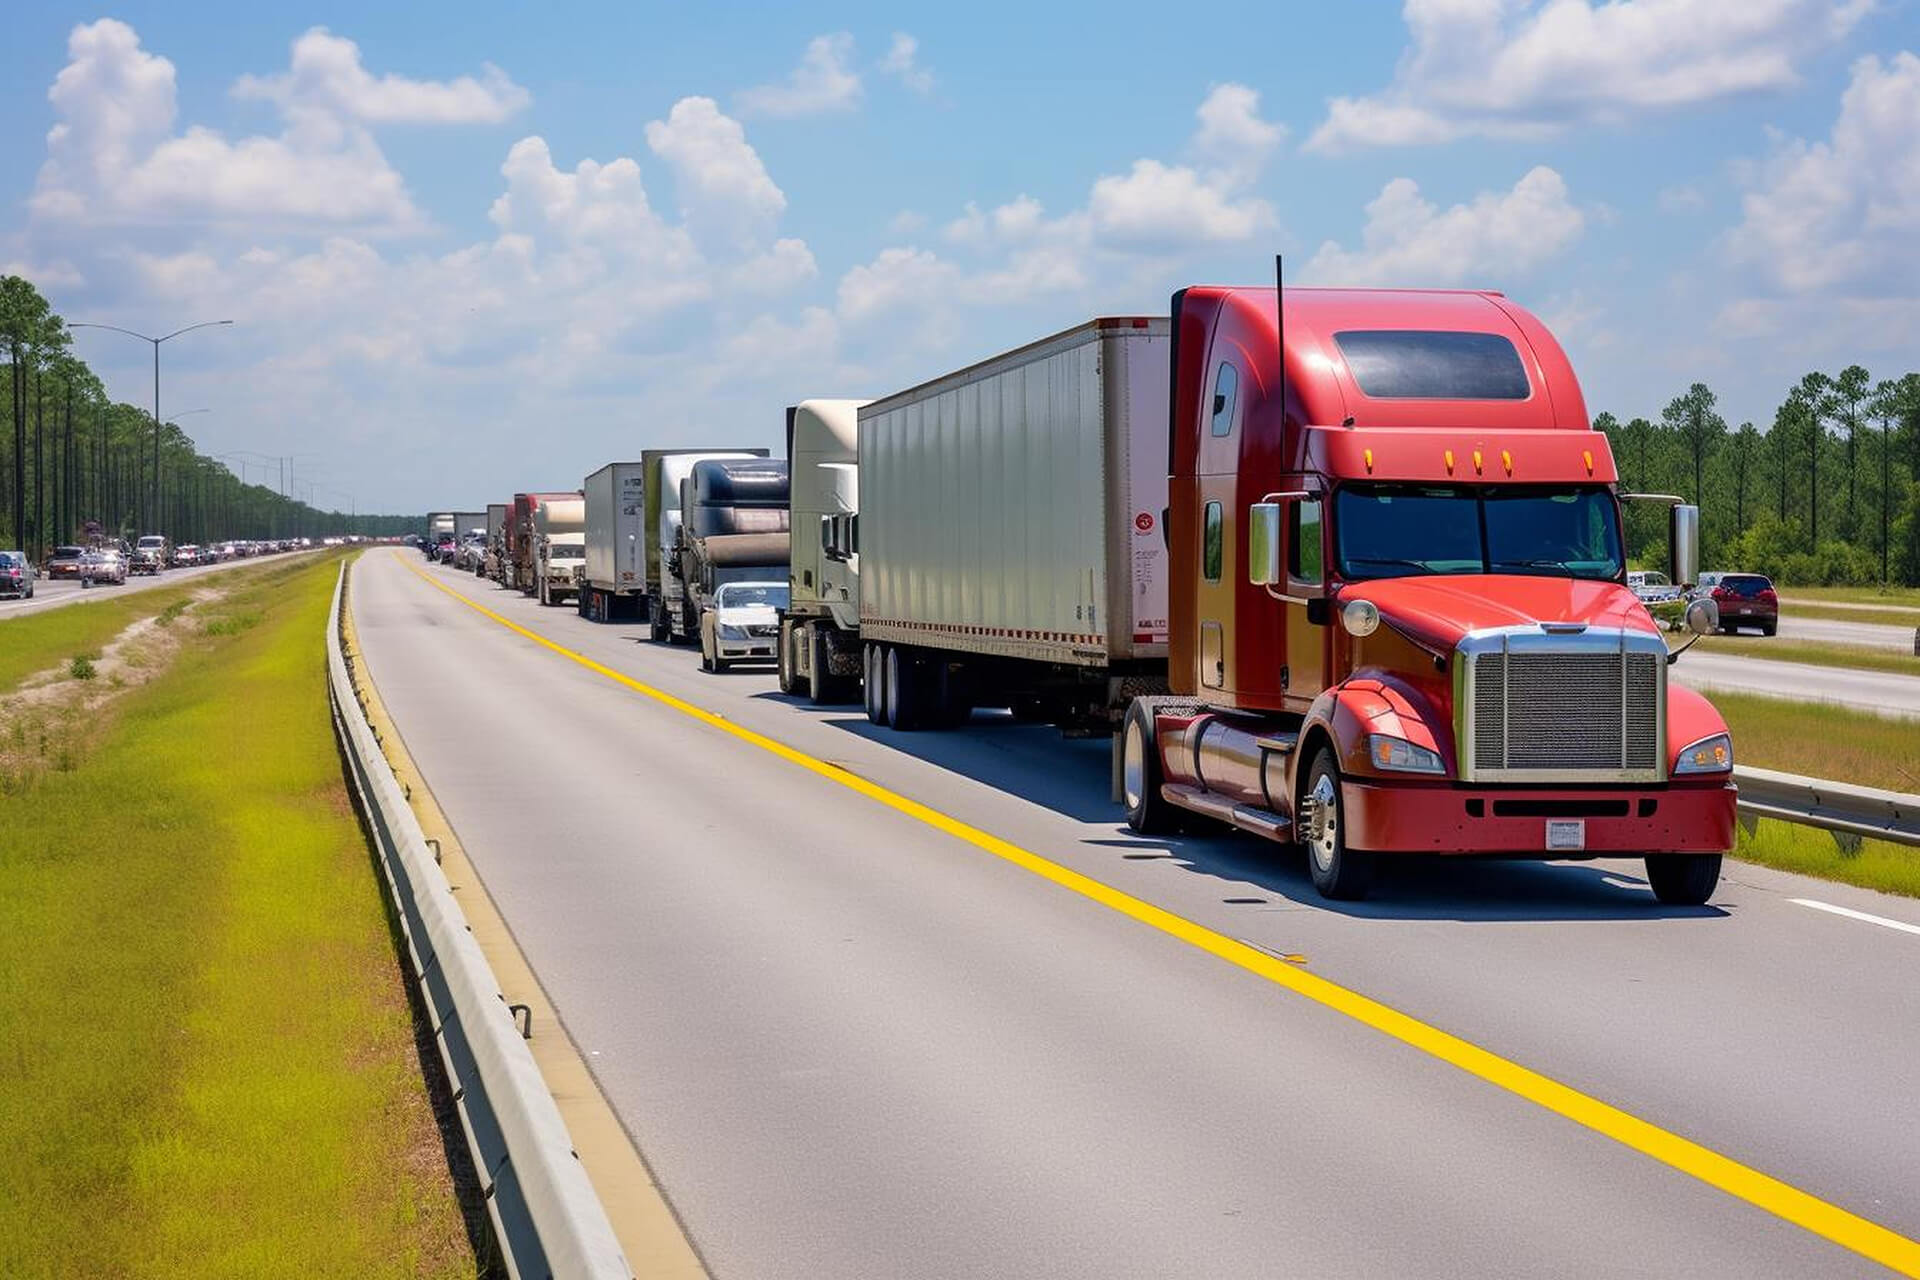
[{"x": 1341, "y": 568}]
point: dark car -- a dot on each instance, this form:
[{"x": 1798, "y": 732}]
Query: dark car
[
  {"x": 1744, "y": 600},
  {"x": 65, "y": 562},
  {"x": 16, "y": 574}
]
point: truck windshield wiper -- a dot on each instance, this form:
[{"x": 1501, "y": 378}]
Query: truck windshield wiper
[
  {"x": 1421, "y": 565},
  {"x": 1561, "y": 565}
]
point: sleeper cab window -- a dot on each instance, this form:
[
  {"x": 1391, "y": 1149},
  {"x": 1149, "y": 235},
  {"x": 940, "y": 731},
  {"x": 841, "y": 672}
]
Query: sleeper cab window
[
  {"x": 1211, "y": 544},
  {"x": 1225, "y": 383},
  {"x": 1303, "y": 543}
]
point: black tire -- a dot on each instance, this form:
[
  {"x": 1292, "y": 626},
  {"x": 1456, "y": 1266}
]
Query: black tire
[
  {"x": 1683, "y": 879},
  {"x": 873, "y": 685},
  {"x": 1769, "y": 629},
  {"x": 790, "y": 635},
  {"x": 657, "y": 630},
  {"x": 902, "y": 687},
  {"x": 1141, "y": 776},
  {"x": 823, "y": 688},
  {"x": 1339, "y": 873}
]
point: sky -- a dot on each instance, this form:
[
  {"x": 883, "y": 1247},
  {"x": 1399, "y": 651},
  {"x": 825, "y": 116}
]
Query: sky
[{"x": 475, "y": 249}]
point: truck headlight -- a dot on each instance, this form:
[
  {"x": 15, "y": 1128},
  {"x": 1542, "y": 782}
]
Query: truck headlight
[
  {"x": 1709, "y": 755},
  {"x": 1402, "y": 756},
  {"x": 730, "y": 632}
]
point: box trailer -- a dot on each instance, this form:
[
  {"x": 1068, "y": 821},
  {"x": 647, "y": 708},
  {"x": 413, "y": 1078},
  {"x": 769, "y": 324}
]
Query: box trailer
[
  {"x": 1009, "y": 533},
  {"x": 615, "y": 572}
]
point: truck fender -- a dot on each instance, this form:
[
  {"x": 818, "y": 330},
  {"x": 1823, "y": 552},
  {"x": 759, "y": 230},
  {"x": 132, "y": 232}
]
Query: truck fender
[{"x": 1345, "y": 715}]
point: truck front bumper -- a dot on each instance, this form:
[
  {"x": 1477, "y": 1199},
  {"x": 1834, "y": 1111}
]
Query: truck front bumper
[{"x": 1677, "y": 818}]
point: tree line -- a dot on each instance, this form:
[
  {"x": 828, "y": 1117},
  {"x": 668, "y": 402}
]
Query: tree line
[
  {"x": 1827, "y": 494},
  {"x": 80, "y": 461}
]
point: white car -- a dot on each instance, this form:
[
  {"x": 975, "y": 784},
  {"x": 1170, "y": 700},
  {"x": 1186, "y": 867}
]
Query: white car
[{"x": 743, "y": 624}]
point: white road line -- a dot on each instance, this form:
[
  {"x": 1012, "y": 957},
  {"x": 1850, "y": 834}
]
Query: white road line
[{"x": 1851, "y": 914}]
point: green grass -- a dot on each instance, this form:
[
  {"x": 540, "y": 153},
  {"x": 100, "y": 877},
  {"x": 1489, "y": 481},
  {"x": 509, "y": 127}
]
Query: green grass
[
  {"x": 1901, "y": 597},
  {"x": 80, "y": 667},
  {"x": 206, "y": 1051},
  {"x": 1823, "y": 741},
  {"x": 1907, "y": 618},
  {"x": 1853, "y": 657},
  {"x": 1877, "y": 864}
]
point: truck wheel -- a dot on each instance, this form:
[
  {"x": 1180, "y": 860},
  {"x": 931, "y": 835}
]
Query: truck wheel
[
  {"x": 656, "y": 623},
  {"x": 873, "y": 683},
  {"x": 1140, "y": 773},
  {"x": 823, "y": 689},
  {"x": 1683, "y": 879},
  {"x": 901, "y": 693},
  {"x": 1338, "y": 872},
  {"x": 789, "y": 636}
]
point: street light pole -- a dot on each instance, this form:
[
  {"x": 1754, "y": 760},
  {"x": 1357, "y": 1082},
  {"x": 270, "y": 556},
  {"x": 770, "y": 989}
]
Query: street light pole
[{"x": 154, "y": 510}]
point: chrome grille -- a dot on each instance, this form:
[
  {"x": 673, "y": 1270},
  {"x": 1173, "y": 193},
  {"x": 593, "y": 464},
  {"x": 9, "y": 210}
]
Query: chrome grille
[{"x": 1543, "y": 707}]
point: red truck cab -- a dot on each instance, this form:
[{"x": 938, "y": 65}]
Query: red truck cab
[{"x": 1398, "y": 603}]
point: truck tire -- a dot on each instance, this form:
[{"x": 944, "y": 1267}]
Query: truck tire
[
  {"x": 902, "y": 689},
  {"x": 1683, "y": 879},
  {"x": 823, "y": 688},
  {"x": 1338, "y": 872},
  {"x": 790, "y": 635},
  {"x": 657, "y": 629},
  {"x": 873, "y": 684},
  {"x": 1148, "y": 812}
]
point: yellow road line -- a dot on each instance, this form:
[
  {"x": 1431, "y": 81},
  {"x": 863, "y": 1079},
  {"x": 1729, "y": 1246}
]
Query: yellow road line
[{"x": 1848, "y": 1230}]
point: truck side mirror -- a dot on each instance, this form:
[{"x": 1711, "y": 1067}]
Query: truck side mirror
[
  {"x": 1263, "y": 544},
  {"x": 1683, "y": 545}
]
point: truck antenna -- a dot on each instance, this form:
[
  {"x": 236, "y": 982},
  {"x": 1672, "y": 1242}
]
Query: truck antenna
[{"x": 1280, "y": 325}]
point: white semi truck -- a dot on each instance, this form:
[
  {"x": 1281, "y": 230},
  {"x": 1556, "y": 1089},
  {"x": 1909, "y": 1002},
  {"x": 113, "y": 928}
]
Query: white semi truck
[
  {"x": 820, "y": 628},
  {"x": 1010, "y": 537},
  {"x": 666, "y": 596},
  {"x": 733, "y": 528},
  {"x": 559, "y": 548}
]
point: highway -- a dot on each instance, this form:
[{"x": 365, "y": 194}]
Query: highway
[
  {"x": 1866, "y": 635},
  {"x": 1880, "y": 691},
  {"x": 856, "y": 1039},
  {"x": 48, "y": 594}
]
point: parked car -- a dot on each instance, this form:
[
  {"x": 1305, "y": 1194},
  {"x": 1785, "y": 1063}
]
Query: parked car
[
  {"x": 16, "y": 574},
  {"x": 152, "y": 553},
  {"x": 1651, "y": 585},
  {"x": 743, "y": 625},
  {"x": 108, "y": 566},
  {"x": 1744, "y": 600},
  {"x": 186, "y": 557},
  {"x": 65, "y": 562}
]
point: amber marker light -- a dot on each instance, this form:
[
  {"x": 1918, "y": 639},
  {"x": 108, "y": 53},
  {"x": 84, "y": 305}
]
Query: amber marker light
[
  {"x": 1506, "y": 460},
  {"x": 1449, "y": 457},
  {"x": 1476, "y": 462},
  {"x": 1369, "y": 457},
  {"x": 1588, "y": 455}
]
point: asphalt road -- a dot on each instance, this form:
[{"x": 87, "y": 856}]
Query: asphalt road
[
  {"x": 851, "y": 1043},
  {"x": 1866, "y": 635},
  {"x": 48, "y": 594},
  {"x": 1879, "y": 691}
]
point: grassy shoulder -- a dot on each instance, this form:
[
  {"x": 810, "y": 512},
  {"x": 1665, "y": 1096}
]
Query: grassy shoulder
[
  {"x": 1893, "y": 597},
  {"x": 1774, "y": 649},
  {"x": 1889, "y": 617},
  {"x": 208, "y": 1047}
]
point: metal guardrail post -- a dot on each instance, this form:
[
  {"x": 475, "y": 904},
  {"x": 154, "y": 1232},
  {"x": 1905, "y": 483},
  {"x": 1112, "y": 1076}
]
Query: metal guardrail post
[{"x": 546, "y": 1216}]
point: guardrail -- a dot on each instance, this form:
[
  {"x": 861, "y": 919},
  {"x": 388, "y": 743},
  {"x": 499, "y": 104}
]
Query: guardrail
[
  {"x": 546, "y": 1216},
  {"x": 1848, "y": 812}
]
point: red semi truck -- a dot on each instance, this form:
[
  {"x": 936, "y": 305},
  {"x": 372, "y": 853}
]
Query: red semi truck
[
  {"x": 1399, "y": 619},
  {"x": 1384, "y": 610}
]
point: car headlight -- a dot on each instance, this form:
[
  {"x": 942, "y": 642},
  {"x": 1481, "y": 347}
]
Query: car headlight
[
  {"x": 730, "y": 632},
  {"x": 1709, "y": 755},
  {"x": 1402, "y": 756}
]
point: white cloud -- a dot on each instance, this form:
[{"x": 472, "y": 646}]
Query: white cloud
[
  {"x": 1843, "y": 214},
  {"x": 1232, "y": 137},
  {"x": 326, "y": 73},
  {"x": 115, "y": 157},
  {"x": 1409, "y": 241},
  {"x": 896, "y": 279},
  {"x": 822, "y": 82},
  {"x": 902, "y": 62},
  {"x": 725, "y": 191},
  {"x": 785, "y": 266},
  {"x": 1162, "y": 205},
  {"x": 1516, "y": 68}
]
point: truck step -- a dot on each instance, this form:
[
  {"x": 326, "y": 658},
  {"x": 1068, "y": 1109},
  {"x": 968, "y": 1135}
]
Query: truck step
[{"x": 1261, "y": 822}]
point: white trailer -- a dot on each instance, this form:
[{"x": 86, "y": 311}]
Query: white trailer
[
  {"x": 820, "y": 629},
  {"x": 615, "y": 584},
  {"x": 1010, "y": 533},
  {"x": 665, "y": 472}
]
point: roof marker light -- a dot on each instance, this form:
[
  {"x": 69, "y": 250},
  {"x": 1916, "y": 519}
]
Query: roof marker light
[
  {"x": 1588, "y": 455},
  {"x": 1369, "y": 455},
  {"x": 1449, "y": 453},
  {"x": 1476, "y": 462},
  {"x": 1506, "y": 460}
]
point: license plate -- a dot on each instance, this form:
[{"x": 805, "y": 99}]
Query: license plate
[{"x": 1569, "y": 834}]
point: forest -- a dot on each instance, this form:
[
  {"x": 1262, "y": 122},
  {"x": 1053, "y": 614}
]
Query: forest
[{"x": 79, "y": 464}]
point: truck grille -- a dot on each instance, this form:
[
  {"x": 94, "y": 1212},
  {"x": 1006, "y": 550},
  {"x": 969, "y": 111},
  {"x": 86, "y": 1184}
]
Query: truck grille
[{"x": 1538, "y": 711}]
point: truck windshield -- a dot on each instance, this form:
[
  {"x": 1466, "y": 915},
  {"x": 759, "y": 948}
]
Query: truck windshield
[{"x": 1390, "y": 531}]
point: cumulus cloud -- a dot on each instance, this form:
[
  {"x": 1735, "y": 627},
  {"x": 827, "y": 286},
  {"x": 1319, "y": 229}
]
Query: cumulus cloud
[
  {"x": 822, "y": 82},
  {"x": 1516, "y": 68},
  {"x": 725, "y": 191},
  {"x": 902, "y": 62},
  {"x": 1407, "y": 240},
  {"x": 326, "y": 73},
  {"x": 114, "y": 155},
  {"x": 1843, "y": 213}
]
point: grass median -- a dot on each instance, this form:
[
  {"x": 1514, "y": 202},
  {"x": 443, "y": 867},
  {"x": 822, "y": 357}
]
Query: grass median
[
  {"x": 1827, "y": 742},
  {"x": 206, "y": 1048}
]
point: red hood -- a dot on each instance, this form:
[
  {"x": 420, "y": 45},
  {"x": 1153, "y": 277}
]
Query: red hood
[{"x": 1438, "y": 611}]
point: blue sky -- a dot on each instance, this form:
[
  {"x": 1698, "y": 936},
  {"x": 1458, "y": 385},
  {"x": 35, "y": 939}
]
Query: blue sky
[{"x": 475, "y": 251}]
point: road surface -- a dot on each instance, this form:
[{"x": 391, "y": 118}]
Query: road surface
[
  {"x": 1866, "y": 635},
  {"x": 48, "y": 594},
  {"x": 854, "y": 1039},
  {"x": 1879, "y": 691}
]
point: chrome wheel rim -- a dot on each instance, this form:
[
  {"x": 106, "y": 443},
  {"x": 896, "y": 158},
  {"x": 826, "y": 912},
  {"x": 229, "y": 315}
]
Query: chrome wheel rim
[
  {"x": 1323, "y": 825},
  {"x": 1133, "y": 766}
]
